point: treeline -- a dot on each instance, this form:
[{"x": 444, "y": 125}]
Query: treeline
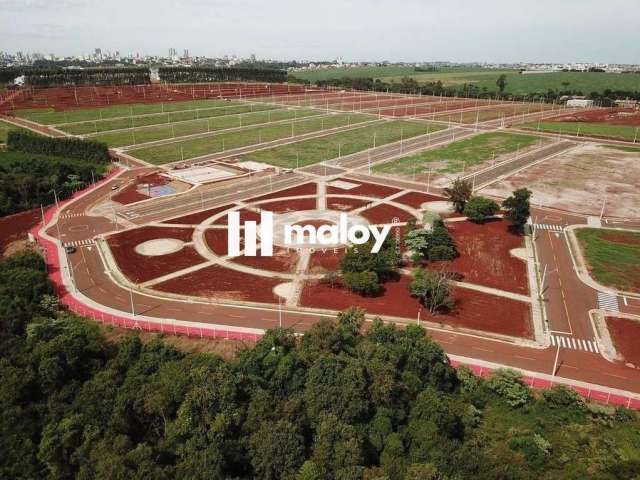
[
  {"x": 68, "y": 147},
  {"x": 410, "y": 86},
  {"x": 336, "y": 404},
  {"x": 28, "y": 180},
  {"x": 54, "y": 77},
  {"x": 221, "y": 74}
]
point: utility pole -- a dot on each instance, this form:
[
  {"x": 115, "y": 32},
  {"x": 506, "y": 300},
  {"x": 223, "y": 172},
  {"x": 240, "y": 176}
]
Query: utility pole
[{"x": 555, "y": 362}]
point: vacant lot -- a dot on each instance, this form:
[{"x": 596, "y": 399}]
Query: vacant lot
[
  {"x": 49, "y": 116},
  {"x": 162, "y": 132},
  {"x": 601, "y": 130},
  {"x": 580, "y": 179},
  {"x": 613, "y": 256},
  {"x": 182, "y": 150},
  {"x": 458, "y": 156},
  {"x": 345, "y": 143},
  {"x": 108, "y": 124}
]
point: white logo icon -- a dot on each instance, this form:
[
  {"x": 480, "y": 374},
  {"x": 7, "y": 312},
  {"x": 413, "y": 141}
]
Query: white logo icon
[{"x": 299, "y": 235}]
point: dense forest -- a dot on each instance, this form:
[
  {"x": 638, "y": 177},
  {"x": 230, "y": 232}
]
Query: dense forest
[
  {"x": 28, "y": 180},
  {"x": 411, "y": 86},
  {"x": 337, "y": 403},
  {"x": 221, "y": 74}
]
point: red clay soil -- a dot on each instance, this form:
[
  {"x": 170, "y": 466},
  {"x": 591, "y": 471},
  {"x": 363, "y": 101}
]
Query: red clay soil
[
  {"x": 416, "y": 199},
  {"x": 130, "y": 193},
  {"x": 344, "y": 204},
  {"x": 474, "y": 310},
  {"x": 615, "y": 116},
  {"x": 626, "y": 337},
  {"x": 141, "y": 268},
  {"x": 385, "y": 213},
  {"x": 484, "y": 255},
  {"x": 219, "y": 282},
  {"x": 64, "y": 98},
  {"x": 431, "y": 108},
  {"x": 216, "y": 240},
  {"x": 304, "y": 189},
  {"x": 286, "y": 206},
  {"x": 363, "y": 189},
  {"x": 283, "y": 260},
  {"x": 245, "y": 215},
  {"x": 325, "y": 260},
  {"x": 199, "y": 217},
  {"x": 626, "y": 238},
  {"x": 15, "y": 227}
]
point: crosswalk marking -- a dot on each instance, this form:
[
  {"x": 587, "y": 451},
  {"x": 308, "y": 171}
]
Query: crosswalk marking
[
  {"x": 574, "y": 343},
  {"x": 608, "y": 302},
  {"x": 78, "y": 243},
  {"x": 547, "y": 226},
  {"x": 71, "y": 215}
]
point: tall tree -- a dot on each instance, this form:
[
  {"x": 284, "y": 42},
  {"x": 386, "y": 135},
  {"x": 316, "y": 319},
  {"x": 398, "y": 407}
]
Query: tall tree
[
  {"x": 517, "y": 208},
  {"x": 459, "y": 193},
  {"x": 502, "y": 82}
]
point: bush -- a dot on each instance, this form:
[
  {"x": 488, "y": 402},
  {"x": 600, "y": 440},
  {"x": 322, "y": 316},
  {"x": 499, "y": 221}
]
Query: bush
[
  {"x": 441, "y": 252},
  {"x": 364, "y": 283},
  {"x": 508, "y": 384},
  {"x": 479, "y": 209},
  {"x": 24, "y": 141}
]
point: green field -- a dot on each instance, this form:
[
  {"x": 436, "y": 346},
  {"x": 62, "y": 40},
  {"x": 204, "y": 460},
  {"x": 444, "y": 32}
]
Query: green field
[
  {"x": 613, "y": 256},
  {"x": 517, "y": 83},
  {"x": 96, "y": 126},
  {"x": 186, "y": 149},
  {"x": 316, "y": 150},
  {"x": 48, "y": 116},
  {"x": 458, "y": 156},
  {"x": 604, "y": 130},
  {"x": 4, "y": 129},
  {"x": 163, "y": 132}
]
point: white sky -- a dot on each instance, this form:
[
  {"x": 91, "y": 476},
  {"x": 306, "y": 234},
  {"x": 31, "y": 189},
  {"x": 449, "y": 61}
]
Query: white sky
[{"x": 401, "y": 30}]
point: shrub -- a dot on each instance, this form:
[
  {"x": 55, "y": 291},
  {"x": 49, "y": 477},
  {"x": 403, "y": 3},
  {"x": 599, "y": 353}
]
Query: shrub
[
  {"x": 479, "y": 209},
  {"x": 433, "y": 289},
  {"x": 508, "y": 384},
  {"x": 364, "y": 283},
  {"x": 441, "y": 252}
]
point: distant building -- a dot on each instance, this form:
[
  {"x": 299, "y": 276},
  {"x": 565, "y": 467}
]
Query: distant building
[{"x": 580, "y": 103}]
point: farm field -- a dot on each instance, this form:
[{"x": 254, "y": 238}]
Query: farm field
[
  {"x": 601, "y": 130},
  {"x": 458, "y": 156},
  {"x": 315, "y": 150},
  {"x": 581, "y": 179},
  {"x": 136, "y": 136},
  {"x": 517, "y": 83},
  {"x": 612, "y": 256},
  {"x": 49, "y": 116},
  {"x": 182, "y": 150},
  {"x": 97, "y": 126}
]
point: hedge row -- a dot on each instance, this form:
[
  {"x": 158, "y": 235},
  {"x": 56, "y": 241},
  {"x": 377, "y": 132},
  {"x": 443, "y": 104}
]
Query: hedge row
[
  {"x": 221, "y": 74},
  {"x": 51, "y": 77},
  {"x": 58, "y": 147}
]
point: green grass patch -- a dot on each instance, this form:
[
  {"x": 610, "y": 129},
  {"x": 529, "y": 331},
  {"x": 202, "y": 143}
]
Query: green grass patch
[
  {"x": 197, "y": 147},
  {"x": 517, "y": 83},
  {"x": 613, "y": 256},
  {"x": 97, "y": 126},
  {"x": 316, "y": 150},
  {"x": 163, "y": 132},
  {"x": 604, "y": 130},
  {"x": 459, "y": 155},
  {"x": 48, "y": 116},
  {"x": 4, "y": 130}
]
